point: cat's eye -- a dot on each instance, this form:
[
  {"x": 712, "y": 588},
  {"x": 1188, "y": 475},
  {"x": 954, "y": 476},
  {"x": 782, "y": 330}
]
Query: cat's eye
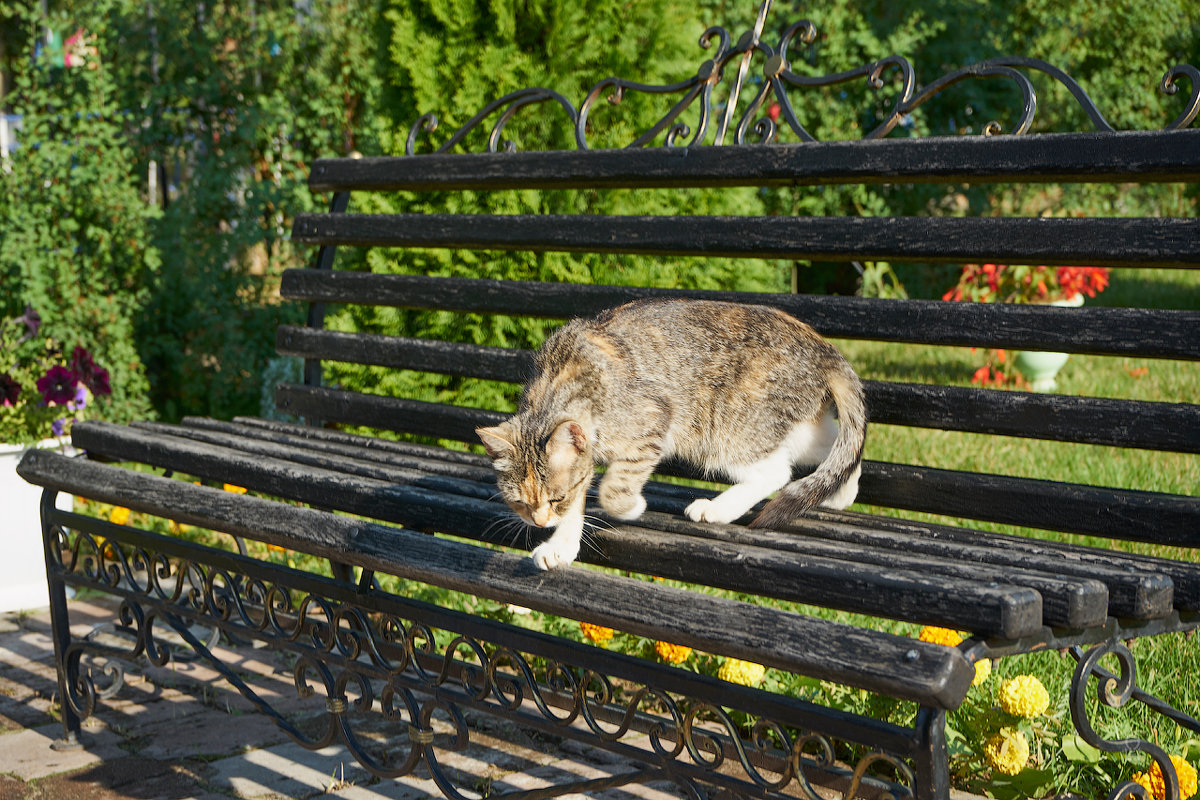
[{"x": 557, "y": 500}]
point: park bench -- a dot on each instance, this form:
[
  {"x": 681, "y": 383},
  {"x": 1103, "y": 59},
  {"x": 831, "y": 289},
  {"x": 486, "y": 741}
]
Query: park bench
[{"x": 367, "y": 505}]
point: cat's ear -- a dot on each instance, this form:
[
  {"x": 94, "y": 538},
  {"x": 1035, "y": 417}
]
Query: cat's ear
[
  {"x": 566, "y": 444},
  {"x": 497, "y": 441}
]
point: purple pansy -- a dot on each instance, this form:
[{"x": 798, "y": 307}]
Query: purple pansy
[
  {"x": 10, "y": 390},
  {"x": 93, "y": 377},
  {"x": 80, "y": 401},
  {"x": 58, "y": 426},
  {"x": 58, "y": 385}
]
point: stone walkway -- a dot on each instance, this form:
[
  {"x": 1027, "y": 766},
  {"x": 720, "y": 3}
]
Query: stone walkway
[{"x": 179, "y": 732}]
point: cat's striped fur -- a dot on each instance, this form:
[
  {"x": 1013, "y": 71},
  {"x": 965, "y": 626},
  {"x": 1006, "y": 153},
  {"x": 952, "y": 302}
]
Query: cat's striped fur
[{"x": 745, "y": 392}]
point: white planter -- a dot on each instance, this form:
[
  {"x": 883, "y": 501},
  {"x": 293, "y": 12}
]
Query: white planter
[{"x": 22, "y": 564}]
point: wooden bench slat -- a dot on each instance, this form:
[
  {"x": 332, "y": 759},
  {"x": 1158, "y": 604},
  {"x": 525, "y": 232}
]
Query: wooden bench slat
[
  {"x": 400, "y": 496},
  {"x": 1135, "y": 582},
  {"x": 934, "y": 539},
  {"x": 1126, "y": 514},
  {"x": 1099, "y": 331},
  {"x": 1050, "y": 505},
  {"x": 895, "y": 665},
  {"x": 1109, "y": 242},
  {"x": 1087, "y": 420},
  {"x": 1077, "y": 601},
  {"x": 1136, "y": 155}
]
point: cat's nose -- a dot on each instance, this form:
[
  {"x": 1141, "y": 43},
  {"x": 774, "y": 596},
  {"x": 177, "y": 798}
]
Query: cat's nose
[{"x": 541, "y": 517}]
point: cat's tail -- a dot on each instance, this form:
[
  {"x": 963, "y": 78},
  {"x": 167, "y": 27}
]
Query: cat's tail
[{"x": 836, "y": 476}]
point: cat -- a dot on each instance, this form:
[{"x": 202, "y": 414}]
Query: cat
[{"x": 741, "y": 391}]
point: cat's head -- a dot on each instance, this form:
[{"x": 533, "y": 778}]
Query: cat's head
[{"x": 541, "y": 470}]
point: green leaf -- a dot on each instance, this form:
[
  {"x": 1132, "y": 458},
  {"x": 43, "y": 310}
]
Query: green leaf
[{"x": 1076, "y": 749}]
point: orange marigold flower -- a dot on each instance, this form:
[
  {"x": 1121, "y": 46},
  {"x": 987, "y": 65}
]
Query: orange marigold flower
[
  {"x": 229, "y": 487},
  {"x": 931, "y": 633},
  {"x": 672, "y": 653},
  {"x": 597, "y": 633},
  {"x": 119, "y": 515},
  {"x": 1156, "y": 786}
]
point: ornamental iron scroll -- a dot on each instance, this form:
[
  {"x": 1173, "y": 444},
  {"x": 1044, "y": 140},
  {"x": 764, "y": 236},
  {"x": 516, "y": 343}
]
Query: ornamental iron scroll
[
  {"x": 753, "y": 126},
  {"x": 1116, "y": 691},
  {"x": 379, "y": 663}
]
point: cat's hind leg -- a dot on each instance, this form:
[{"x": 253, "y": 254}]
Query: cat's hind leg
[
  {"x": 753, "y": 484},
  {"x": 808, "y": 442}
]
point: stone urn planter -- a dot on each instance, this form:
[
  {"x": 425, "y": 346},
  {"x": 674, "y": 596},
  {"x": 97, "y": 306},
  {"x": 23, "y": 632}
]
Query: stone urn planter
[
  {"x": 22, "y": 565},
  {"x": 1041, "y": 368}
]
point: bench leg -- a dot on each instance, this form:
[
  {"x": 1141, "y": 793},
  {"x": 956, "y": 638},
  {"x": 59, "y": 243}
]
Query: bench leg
[
  {"x": 932, "y": 760},
  {"x": 60, "y": 626}
]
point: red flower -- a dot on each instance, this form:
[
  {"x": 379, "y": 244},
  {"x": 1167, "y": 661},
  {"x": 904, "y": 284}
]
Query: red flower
[{"x": 58, "y": 385}]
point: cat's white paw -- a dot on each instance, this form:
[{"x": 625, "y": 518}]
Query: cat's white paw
[
  {"x": 552, "y": 554},
  {"x": 633, "y": 512},
  {"x": 705, "y": 510}
]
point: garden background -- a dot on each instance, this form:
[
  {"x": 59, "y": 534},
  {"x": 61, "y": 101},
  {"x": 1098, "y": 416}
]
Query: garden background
[{"x": 147, "y": 201}]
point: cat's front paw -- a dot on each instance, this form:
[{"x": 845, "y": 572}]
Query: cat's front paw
[
  {"x": 705, "y": 510},
  {"x": 552, "y": 554}
]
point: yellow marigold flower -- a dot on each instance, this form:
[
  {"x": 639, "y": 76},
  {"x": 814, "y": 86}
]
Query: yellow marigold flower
[
  {"x": 1024, "y": 696},
  {"x": 983, "y": 668},
  {"x": 746, "y": 673},
  {"x": 597, "y": 633},
  {"x": 1156, "y": 786},
  {"x": 937, "y": 635},
  {"x": 229, "y": 487},
  {"x": 1007, "y": 751},
  {"x": 672, "y": 653},
  {"x": 119, "y": 515}
]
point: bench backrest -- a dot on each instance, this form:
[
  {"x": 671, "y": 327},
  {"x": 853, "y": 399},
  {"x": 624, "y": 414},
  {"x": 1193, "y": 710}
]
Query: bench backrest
[{"x": 1114, "y": 242}]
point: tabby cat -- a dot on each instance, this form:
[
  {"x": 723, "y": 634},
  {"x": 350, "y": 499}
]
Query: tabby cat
[{"x": 744, "y": 392}]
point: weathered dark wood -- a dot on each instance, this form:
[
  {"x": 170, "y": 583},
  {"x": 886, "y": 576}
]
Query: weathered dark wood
[
  {"x": 1049, "y": 505},
  {"x": 1077, "y": 602},
  {"x": 1109, "y": 242},
  {"x": 1020, "y": 551},
  {"x": 429, "y": 502},
  {"x": 937, "y": 676},
  {"x": 1087, "y": 420},
  {"x": 1148, "y": 333},
  {"x": 1136, "y": 155}
]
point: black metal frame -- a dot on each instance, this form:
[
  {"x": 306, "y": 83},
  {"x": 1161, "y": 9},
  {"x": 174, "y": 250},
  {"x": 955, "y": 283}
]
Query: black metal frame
[{"x": 381, "y": 646}]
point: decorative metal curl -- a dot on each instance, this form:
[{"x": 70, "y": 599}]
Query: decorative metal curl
[
  {"x": 1115, "y": 691},
  {"x": 354, "y": 657},
  {"x": 775, "y": 80}
]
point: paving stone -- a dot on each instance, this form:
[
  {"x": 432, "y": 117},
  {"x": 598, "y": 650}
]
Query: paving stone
[
  {"x": 28, "y": 755},
  {"x": 128, "y": 778},
  {"x": 288, "y": 770},
  {"x": 206, "y": 733}
]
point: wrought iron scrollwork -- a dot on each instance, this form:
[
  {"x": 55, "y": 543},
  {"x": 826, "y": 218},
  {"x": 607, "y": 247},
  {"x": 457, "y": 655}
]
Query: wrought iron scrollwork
[
  {"x": 753, "y": 126},
  {"x": 420, "y": 679},
  {"x": 1116, "y": 691}
]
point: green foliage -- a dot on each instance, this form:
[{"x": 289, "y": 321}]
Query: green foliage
[
  {"x": 75, "y": 239},
  {"x": 454, "y": 60},
  {"x": 243, "y": 99}
]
